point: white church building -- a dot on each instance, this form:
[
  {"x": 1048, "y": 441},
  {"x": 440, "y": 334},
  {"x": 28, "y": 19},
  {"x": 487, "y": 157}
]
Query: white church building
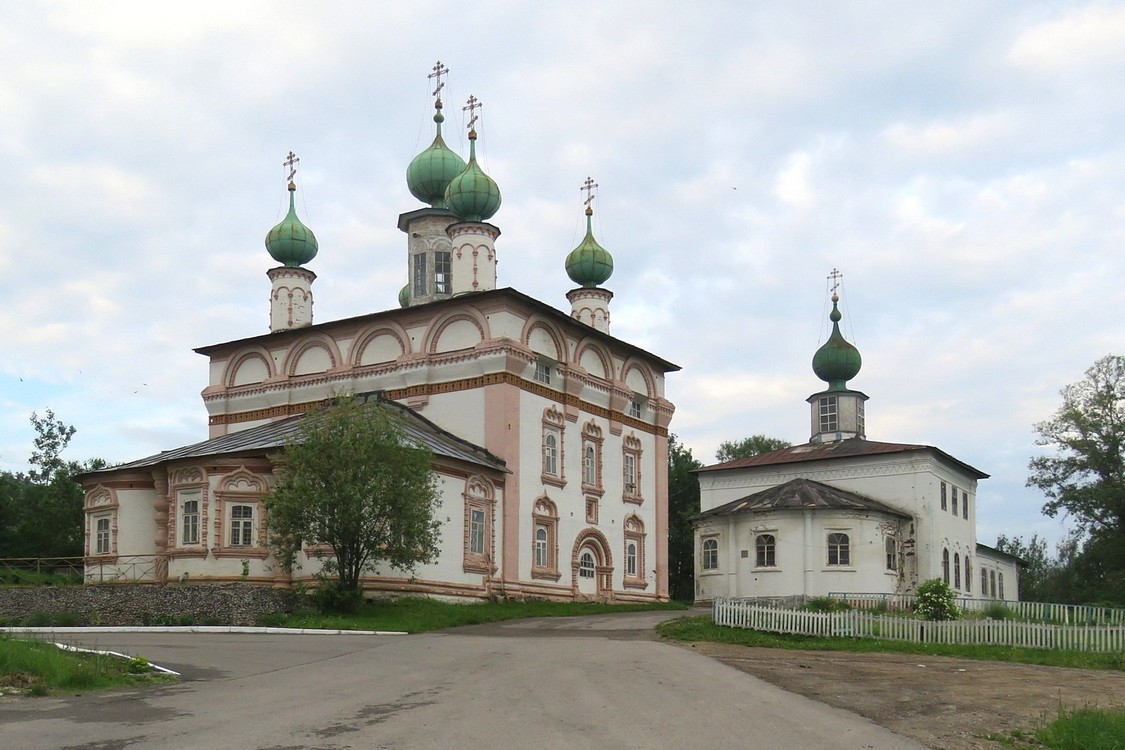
[
  {"x": 549, "y": 435},
  {"x": 841, "y": 513}
]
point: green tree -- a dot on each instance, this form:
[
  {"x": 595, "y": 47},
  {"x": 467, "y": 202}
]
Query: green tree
[
  {"x": 353, "y": 481},
  {"x": 683, "y": 503},
  {"x": 935, "y": 601},
  {"x": 1085, "y": 478},
  {"x": 1038, "y": 578},
  {"x": 729, "y": 450}
]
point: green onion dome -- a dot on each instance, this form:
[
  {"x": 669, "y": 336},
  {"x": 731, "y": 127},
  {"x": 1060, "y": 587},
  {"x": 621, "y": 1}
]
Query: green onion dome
[
  {"x": 589, "y": 264},
  {"x": 431, "y": 171},
  {"x": 291, "y": 243},
  {"x": 404, "y": 296},
  {"x": 473, "y": 195},
  {"x": 837, "y": 361}
]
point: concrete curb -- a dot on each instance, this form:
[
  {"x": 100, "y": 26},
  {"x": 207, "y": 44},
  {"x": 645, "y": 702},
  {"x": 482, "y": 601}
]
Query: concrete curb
[{"x": 200, "y": 629}]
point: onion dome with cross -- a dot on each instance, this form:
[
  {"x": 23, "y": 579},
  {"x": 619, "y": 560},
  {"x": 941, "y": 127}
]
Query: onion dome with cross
[
  {"x": 431, "y": 171},
  {"x": 473, "y": 195},
  {"x": 837, "y": 361},
  {"x": 589, "y": 264},
  {"x": 291, "y": 243}
]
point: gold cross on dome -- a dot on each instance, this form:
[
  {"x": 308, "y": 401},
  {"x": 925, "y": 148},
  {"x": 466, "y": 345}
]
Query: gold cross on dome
[
  {"x": 439, "y": 71},
  {"x": 835, "y": 277},
  {"x": 589, "y": 186},
  {"x": 471, "y": 106},
  {"x": 291, "y": 162}
]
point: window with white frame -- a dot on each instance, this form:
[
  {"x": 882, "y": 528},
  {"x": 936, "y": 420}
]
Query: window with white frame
[
  {"x": 631, "y": 559},
  {"x": 636, "y": 408},
  {"x": 545, "y": 522},
  {"x": 765, "y": 551},
  {"x": 965, "y": 504},
  {"x": 551, "y": 452},
  {"x": 241, "y": 525},
  {"x": 542, "y": 373},
  {"x": 859, "y": 417},
  {"x": 190, "y": 502},
  {"x": 829, "y": 415},
  {"x": 589, "y": 464},
  {"x": 586, "y": 565},
  {"x": 953, "y": 500},
  {"x": 476, "y": 531},
  {"x": 592, "y": 458},
  {"x": 890, "y": 550},
  {"x": 443, "y": 276},
  {"x": 102, "y": 540},
  {"x": 839, "y": 549},
  {"x": 554, "y": 463},
  {"x": 710, "y": 555}
]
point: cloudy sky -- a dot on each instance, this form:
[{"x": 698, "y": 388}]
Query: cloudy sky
[{"x": 962, "y": 164}]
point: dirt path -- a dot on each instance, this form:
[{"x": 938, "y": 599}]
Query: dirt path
[{"x": 944, "y": 703}]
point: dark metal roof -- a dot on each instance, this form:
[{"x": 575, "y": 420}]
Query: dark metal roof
[
  {"x": 1001, "y": 553},
  {"x": 558, "y": 315},
  {"x": 801, "y": 494},
  {"x": 274, "y": 435},
  {"x": 853, "y": 448}
]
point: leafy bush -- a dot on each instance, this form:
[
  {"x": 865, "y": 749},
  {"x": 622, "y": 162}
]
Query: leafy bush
[
  {"x": 825, "y": 604},
  {"x": 997, "y": 611},
  {"x": 936, "y": 601},
  {"x": 330, "y": 597},
  {"x": 39, "y": 620}
]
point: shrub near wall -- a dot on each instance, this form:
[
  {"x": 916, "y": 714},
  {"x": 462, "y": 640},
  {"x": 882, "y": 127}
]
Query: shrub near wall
[{"x": 126, "y": 604}]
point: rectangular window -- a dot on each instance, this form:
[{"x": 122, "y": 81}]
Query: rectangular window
[
  {"x": 965, "y": 504},
  {"x": 443, "y": 276},
  {"x": 891, "y": 550},
  {"x": 828, "y": 414},
  {"x": 476, "y": 532},
  {"x": 636, "y": 410},
  {"x": 241, "y": 525},
  {"x": 944, "y": 504},
  {"x": 590, "y": 465},
  {"x": 630, "y": 474},
  {"x": 591, "y": 510},
  {"x": 860, "y": 427},
  {"x": 542, "y": 373},
  {"x": 419, "y": 274},
  {"x": 189, "y": 521},
  {"x": 953, "y": 496},
  {"x": 551, "y": 453},
  {"x": 101, "y": 539}
]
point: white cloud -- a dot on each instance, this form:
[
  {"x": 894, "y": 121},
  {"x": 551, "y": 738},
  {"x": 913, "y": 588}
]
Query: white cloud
[{"x": 1089, "y": 37}]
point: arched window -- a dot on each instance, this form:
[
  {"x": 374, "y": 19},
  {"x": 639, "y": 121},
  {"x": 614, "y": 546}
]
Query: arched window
[
  {"x": 631, "y": 558},
  {"x": 839, "y": 549},
  {"x": 586, "y": 564},
  {"x": 634, "y": 529},
  {"x": 1001, "y": 578},
  {"x": 992, "y": 582},
  {"x": 968, "y": 575},
  {"x": 541, "y": 545},
  {"x": 765, "y": 548},
  {"x": 983, "y": 582},
  {"x": 551, "y": 454},
  {"x": 945, "y": 565},
  {"x": 710, "y": 554},
  {"x": 590, "y": 465},
  {"x": 891, "y": 553},
  {"x": 956, "y": 570}
]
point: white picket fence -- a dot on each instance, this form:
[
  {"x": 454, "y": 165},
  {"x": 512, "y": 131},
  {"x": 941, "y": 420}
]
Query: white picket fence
[
  {"x": 1060, "y": 613},
  {"x": 737, "y": 613}
]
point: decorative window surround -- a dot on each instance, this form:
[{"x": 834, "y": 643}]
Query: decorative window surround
[
  {"x": 554, "y": 449},
  {"x": 634, "y": 553},
  {"x": 479, "y": 541},
  {"x": 240, "y": 507},
  {"x": 592, "y": 510},
  {"x": 101, "y": 509},
  {"x": 592, "y": 443},
  {"x": 186, "y": 486},
  {"x": 631, "y": 470},
  {"x": 545, "y": 541}
]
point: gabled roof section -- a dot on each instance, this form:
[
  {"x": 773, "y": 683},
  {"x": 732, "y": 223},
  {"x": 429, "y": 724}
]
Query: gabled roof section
[
  {"x": 852, "y": 448},
  {"x": 274, "y": 435},
  {"x": 559, "y": 316},
  {"x": 986, "y": 550},
  {"x": 801, "y": 494}
]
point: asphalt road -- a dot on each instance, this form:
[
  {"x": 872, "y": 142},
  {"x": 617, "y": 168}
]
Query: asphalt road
[{"x": 573, "y": 683}]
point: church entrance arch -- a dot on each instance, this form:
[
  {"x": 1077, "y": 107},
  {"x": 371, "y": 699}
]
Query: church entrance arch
[{"x": 592, "y": 566}]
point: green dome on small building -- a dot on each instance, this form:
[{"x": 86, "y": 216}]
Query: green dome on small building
[
  {"x": 473, "y": 195},
  {"x": 589, "y": 265},
  {"x": 291, "y": 243},
  {"x": 837, "y": 361},
  {"x": 431, "y": 171},
  {"x": 404, "y": 296}
]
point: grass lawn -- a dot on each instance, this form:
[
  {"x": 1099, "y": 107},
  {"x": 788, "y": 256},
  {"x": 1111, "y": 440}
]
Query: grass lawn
[
  {"x": 42, "y": 668},
  {"x": 702, "y": 629},
  {"x": 1079, "y": 729},
  {"x": 417, "y": 615}
]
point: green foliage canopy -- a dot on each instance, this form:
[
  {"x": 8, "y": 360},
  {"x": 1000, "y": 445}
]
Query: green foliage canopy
[
  {"x": 353, "y": 482},
  {"x": 683, "y": 503},
  {"x": 729, "y": 450}
]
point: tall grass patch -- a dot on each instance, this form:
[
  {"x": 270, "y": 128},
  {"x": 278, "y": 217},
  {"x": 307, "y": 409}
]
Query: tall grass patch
[{"x": 40, "y": 667}]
